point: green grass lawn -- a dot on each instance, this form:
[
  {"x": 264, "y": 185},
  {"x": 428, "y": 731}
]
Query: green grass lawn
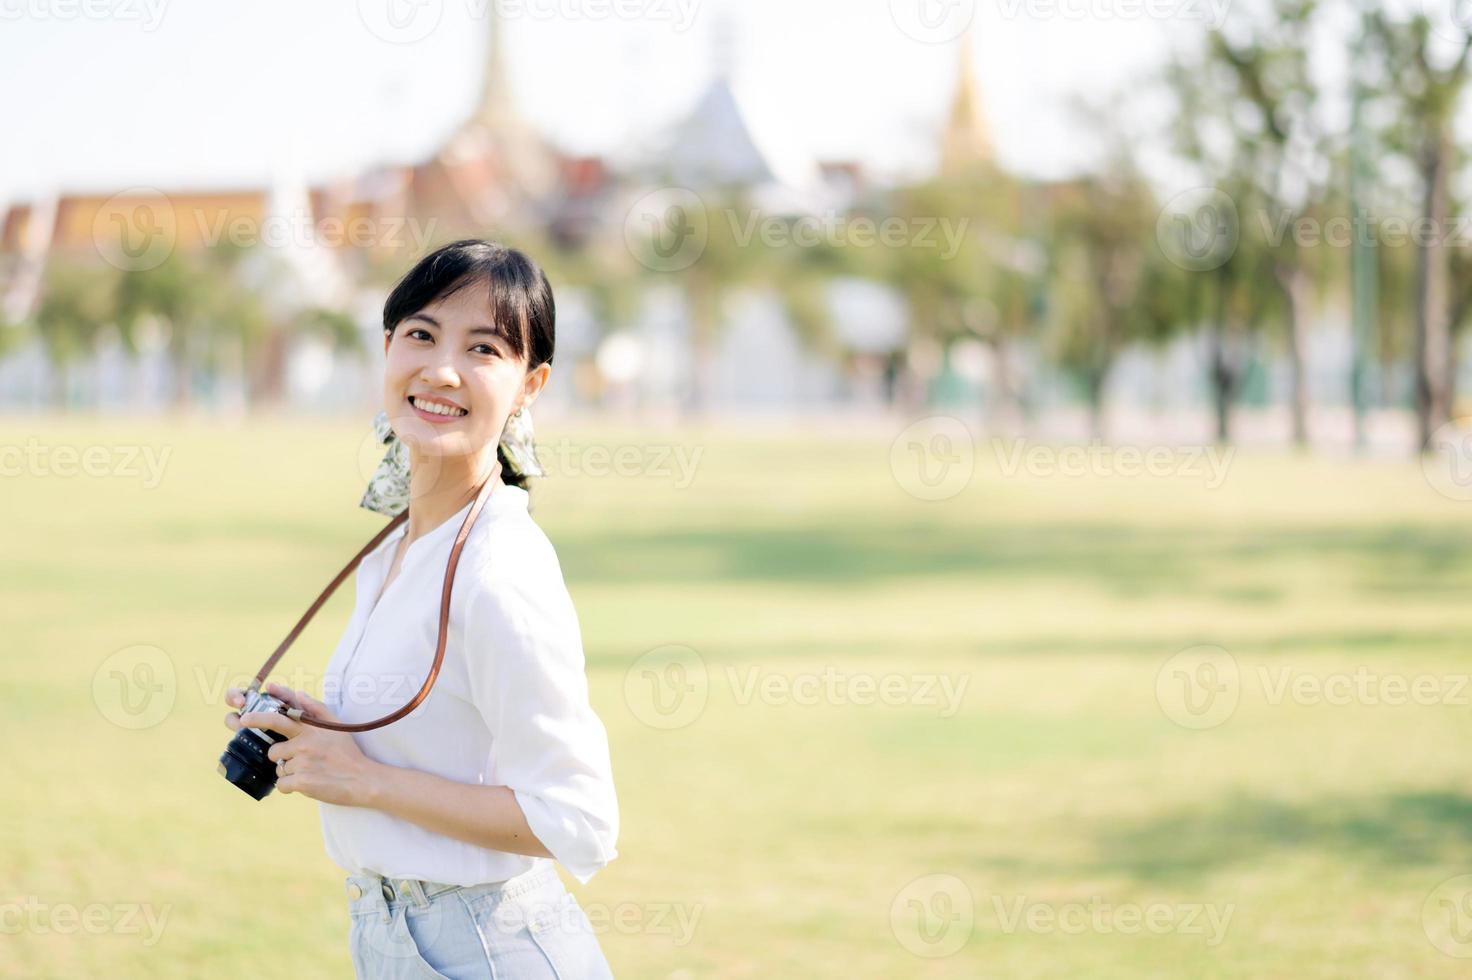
[{"x": 785, "y": 825}]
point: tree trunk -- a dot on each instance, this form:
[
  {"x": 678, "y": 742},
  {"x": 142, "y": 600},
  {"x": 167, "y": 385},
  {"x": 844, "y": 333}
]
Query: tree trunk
[
  {"x": 1452, "y": 361},
  {"x": 1223, "y": 384},
  {"x": 1006, "y": 403},
  {"x": 267, "y": 385},
  {"x": 704, "y": 313},
  {"x": 179, "y": 359},
  {"x": 1098, "y": 377},
  {"x": 1295, "y": 285},
  {"x": 1225, "y": 371},
  {"x": 60, "y": 384},
  {"x": 1433, "y": 333}
]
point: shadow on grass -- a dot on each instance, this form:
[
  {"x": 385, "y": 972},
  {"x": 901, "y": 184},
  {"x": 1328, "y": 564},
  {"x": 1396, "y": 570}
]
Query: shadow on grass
[
  {"x": 1393, "y": 829},
  {"x": 1122, "y": 558},
  {"x": 1244, "y": 642}
]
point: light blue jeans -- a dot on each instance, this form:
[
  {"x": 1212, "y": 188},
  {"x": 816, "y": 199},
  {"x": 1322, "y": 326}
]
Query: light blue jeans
[{"x": 529, "y": 927}]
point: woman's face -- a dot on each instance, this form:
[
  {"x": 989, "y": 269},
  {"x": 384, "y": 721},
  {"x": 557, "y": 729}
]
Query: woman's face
[{"x": 451, "y": 381}]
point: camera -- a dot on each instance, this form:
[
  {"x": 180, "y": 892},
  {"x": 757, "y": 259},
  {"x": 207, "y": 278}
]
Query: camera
[{"x": 244, "y": 762}]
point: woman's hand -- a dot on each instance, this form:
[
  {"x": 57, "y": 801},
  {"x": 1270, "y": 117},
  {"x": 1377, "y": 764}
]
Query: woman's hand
[{"x": 325, "y": 765}]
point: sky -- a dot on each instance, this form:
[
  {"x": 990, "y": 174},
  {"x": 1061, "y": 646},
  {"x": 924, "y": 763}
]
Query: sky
[{"x": 110, "y": 94}]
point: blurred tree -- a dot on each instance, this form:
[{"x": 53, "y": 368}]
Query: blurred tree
[
  {"x": 1425, "y": 77},
  {"x": 1111, "y": 287},
  {"x": 174, "y": 296},
  {"x": 1258, "y": 66},
  {"x": 602, "y": 269},
  {"x": 12, "y": 336},
  {"x": 985, "y": 277},
  {"x": 77, "y": 301},
  {"x": 708, "y": 247},
  {"x": 1223, "y": 291}
]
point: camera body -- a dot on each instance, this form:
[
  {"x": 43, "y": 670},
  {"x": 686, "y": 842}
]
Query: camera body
[{"x": 244, "y": 761}]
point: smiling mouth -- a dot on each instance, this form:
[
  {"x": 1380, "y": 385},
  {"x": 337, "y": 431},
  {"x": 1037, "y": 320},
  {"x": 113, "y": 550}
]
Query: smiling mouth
[{"x": 435, "y": 408}]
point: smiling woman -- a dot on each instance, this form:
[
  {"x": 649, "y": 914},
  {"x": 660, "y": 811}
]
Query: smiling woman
[{"x": 448, "y": 820}]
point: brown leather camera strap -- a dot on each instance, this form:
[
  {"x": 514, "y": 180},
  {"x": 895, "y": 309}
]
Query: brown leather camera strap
[{"x": 482, "y": 495}]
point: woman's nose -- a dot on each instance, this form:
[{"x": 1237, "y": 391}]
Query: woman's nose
[{"x": 439, "y": 371}]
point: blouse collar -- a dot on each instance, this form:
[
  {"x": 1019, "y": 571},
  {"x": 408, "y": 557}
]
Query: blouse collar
[{"x": 503, "y": 499}]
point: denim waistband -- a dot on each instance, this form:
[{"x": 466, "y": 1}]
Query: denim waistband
[{"x": 371, "y": 889}]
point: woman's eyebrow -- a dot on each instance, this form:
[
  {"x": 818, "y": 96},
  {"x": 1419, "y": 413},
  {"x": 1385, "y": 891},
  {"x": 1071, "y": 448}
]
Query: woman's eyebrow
[{"x": 496, "y": 332}]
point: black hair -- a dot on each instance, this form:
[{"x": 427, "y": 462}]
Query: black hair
[{"x": 521, "y": 301}]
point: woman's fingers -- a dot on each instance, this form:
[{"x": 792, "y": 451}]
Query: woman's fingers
[
  {"x": 272, "y": 721},
  {"x": 235, "y": 697},
  {"x": 303, "y": 701},
  {"x": 316, "y": 708},
  {"x": 283, "y": 693},
  {"x": 232, "y": 721}
]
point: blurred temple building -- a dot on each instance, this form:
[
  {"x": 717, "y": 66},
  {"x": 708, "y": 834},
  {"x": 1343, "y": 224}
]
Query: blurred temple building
[{"x": 494, "y": 176}]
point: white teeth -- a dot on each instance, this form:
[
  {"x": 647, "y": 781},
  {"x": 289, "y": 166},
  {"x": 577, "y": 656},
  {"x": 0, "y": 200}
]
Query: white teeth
[{"x": 438, "y": 409}]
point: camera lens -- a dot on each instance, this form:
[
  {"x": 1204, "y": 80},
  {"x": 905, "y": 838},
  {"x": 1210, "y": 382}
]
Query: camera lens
[{"x": 244, "y": 761}]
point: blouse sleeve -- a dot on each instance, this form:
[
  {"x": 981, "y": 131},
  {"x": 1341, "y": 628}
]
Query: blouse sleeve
[{"x": 525, "y": 661}]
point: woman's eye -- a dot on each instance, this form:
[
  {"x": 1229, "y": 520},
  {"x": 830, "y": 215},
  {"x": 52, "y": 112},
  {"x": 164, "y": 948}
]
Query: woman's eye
[
  {"x": 419, "y": 330},
  {"x": 484, "y": 347}
]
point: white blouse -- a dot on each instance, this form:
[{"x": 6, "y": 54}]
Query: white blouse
[{"x": 510, "y": 706}]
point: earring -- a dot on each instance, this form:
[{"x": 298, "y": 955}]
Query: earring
[{"x": 519, "y": 444}]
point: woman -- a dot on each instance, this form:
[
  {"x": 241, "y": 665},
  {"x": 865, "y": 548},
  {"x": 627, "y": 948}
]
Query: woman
[{"x": 448, "y": 820}]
